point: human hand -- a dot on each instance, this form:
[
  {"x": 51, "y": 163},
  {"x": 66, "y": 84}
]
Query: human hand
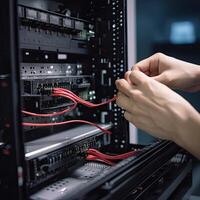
[
  {"x": 172, "y": 72},
  {"x": 154, "y": 108}
]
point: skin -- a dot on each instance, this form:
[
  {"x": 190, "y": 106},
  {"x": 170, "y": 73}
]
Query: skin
[{"x": 152, "y": 106}]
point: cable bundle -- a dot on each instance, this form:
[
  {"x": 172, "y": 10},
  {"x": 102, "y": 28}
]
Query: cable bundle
[
  {"x": 61, "y": 92},
  {"x": 95, "y": 155},
  {"x": 67, "y": 93},
  {"x": 55, "y": 113}
]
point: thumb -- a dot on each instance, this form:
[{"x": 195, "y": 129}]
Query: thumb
[
  {"x": 161, "y": 78},
  {"x": 138, "y": 77}
]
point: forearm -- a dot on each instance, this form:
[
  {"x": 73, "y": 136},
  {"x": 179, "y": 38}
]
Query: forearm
[
  {"x": 189, "y": 135},
  {"x": 197, "y": 76},
  {"x": 195, "y": 79}
]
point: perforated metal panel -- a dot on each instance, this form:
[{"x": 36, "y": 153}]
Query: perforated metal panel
[
  {"x": 63, "y": 188},
  {"x": 109, "y": 61}
]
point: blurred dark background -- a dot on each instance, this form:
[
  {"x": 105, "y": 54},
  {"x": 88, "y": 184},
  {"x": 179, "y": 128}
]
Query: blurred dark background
[{"x": 171, "y": 27}]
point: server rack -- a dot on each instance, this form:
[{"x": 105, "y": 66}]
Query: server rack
[
  {"x": 108, "y": 57},
  {"x": 12, "y": 149}
]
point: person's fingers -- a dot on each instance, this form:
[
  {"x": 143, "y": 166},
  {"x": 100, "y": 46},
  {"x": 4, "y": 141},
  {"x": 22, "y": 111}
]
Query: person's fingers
[
  {"x": 153, "y": 73},
  {"x": 123, "y": 86},
  {"x": 149, "y": 66},
  {"x": 123, "y": 101},
  {"x": 138, "y": 77},
  {"x": 134, "y": 119},
  {"x": 128, "y": 116},
  {"x": 162, "y": 78},
  {"x": 143, "y": 65},
  {"x": 127, "y": 76}
]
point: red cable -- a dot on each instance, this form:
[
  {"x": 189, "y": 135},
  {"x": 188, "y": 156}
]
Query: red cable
[
  {"x": 79, "y": 100},
  {"x": 95, "y": 155},
  {"x": 61, "y": 92},
  {"x": 130, "y": 153},
  {"x": 95, "y": 158},
  {"x": 53, "y": 114},
  {"x": 73, "y": 97},
  {"x": 109, "y": 157},
  {"x": 66, "y": 122}
]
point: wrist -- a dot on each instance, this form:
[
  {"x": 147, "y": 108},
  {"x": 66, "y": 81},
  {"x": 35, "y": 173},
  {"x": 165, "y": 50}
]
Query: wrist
[
  {"x": 190, "y": 127},
  {"x": 196, "y": 75}
]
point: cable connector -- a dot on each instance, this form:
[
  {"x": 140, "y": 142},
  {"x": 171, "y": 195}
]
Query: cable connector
[{"x": 46, "y": 91}]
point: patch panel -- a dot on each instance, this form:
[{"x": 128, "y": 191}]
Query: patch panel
[
  {"x": 49, "y": 69},
  {"x": 50, "y": 18},
  {"x": 42, "y": 40},
  {"x": 37, "y": 104},
  {"x": 45, "y": 132},
  {"x": 39, "y": 28},
  {"x": 41, "y": 86},
  {"x": 47, "y": 103}
]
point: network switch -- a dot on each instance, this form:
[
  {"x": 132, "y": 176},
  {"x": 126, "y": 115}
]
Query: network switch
[
  {"x": 53, "y": 155},
  {"x": 42, "y": 40},
  {"x": 46, "y": 17},
  {"x": 47, "y": 103},
  {"x": 48, "y": 130},
  {"x": 41, "y": 86},
  {"x": 39, "y": 28},
  {"x": 49, "y": 69}
]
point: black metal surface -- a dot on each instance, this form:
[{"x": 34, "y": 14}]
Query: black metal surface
[
  {"x": 120, "y": 65},
  {"x": 164, "y": 181},
  {"x": 176, "y": 182},
  {"x": 126, "y": 175},
  {"x": 88, "y": 174},
  {"x": 61, "y": 189},
  {"x": 12, "y": 154},
  {"x": 121, "y": 186},
  {"x": 109, "y": 59}
]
